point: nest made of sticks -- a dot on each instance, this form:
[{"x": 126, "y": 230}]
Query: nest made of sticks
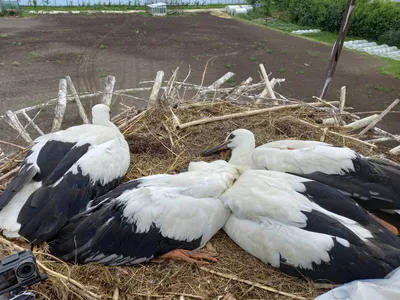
[{"x": 157, "y": 147}]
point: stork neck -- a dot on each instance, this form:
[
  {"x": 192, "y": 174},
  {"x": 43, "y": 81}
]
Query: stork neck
[{"x": 241, "y": 155}]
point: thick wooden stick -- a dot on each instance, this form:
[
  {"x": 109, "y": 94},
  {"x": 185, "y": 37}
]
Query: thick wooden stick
[
  {"x": 156, "y": 88},
  {"x": 395, "y": 150},
  {"x": 251, "y": 283},
  {"x": 81, "y": 110},
  {"x": 274, "y": 81},
  {"x": 243, "y": 86},
  {"x": 334, "y": 133},
  {"x": 60, "y": 106},
  {"x": 16, "y": 124},
  {"x": 249, "y": 113},
  {"x": 268, "y": 89},
  {"x": 28, "y": 118},
  {"x": 109, "y": 83},
  {"x": 221, "y": 81},
  {"x": 342, "y": 99},
  {"x": 384, "y": 113},
  {"x": 360, "y": 123}
]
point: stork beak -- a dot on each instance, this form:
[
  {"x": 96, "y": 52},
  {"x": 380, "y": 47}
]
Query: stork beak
[{"x": 216, "y": 149}]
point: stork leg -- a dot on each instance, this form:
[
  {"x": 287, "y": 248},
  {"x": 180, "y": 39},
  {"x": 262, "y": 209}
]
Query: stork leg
[
  {"x": 187, "y": 256},
  {"x": 389, "y": 226}
]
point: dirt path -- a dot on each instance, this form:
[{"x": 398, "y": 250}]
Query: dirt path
[{"x": 36, "y": 52}]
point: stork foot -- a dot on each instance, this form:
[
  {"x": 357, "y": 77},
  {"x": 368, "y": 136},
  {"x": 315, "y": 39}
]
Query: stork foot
[
  {"x": 187, "y": 256},
  {"x": 389, "y": 226}
]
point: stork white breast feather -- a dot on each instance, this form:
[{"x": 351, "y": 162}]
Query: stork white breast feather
[
  {"x": 270, "y": 240},
  {"x": 178, "y": 216},
  {"x": 328, "y": 160}
]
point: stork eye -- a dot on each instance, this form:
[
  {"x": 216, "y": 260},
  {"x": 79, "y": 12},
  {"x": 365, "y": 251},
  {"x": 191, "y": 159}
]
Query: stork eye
[{"x": 231, "y": 136}]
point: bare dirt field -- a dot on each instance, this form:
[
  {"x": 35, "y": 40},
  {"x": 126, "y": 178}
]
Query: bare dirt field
[{"x": 36, "y": 52}]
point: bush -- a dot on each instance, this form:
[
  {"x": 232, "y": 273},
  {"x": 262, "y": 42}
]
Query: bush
[
  {"x": 370, "y": 20},
  {"x": 391, "y": 37}
]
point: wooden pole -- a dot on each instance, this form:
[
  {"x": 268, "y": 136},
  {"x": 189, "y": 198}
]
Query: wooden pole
[
  {"x": 109, "y": 83},
  {"x": 250, "y": 113},
  {"x": 221, "y": 80},
  {"x": 28, "y": 118},
  {"x": 16, "y": 124},
  {"x": 156, "y": 88},
  {"x": 60, "y": 106},
  {"x": 81, "y": 110},
  {"x": 380, "y": 117},
  {"x": 337, "y": 47}
]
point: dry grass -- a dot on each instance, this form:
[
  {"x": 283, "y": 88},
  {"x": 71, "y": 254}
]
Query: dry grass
[{"x": 157, "y": 148}]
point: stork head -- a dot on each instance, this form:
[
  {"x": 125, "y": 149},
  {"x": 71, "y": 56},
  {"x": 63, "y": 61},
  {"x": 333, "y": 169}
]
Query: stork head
[
  {"x": 236, "y": 139},
  {"x": 101, "y": 114}
]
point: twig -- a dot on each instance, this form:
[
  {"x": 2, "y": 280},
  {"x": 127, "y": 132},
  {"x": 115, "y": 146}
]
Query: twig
[
  {"x": 360, "y": 123},
  {"x": 202, "y": 78},
  {"x": 221, "y": 81},
  {"x": 60, "y": 106},
  {"x": 184, "y": 295},
  {"x": 243, "y": 86},
  {"x": 156, "y": 88},
  {"x": 255, "y": 284},
  {"x": 16, "y": 124},
  {"x": 122, "y": 113},
  {"x": 109, "y": 83},
  {"x": 247, "y": 113},
  {"x": 13, "y": 171},
  {"x": 395, "y": 150},
  {"x": 274, "y": 81},
  {"x": 334, "y": 133},
  {"x": 11, "y": 144},
  {"x": 342, "y": 99},
  {"x": 384, "y": 113},
  {"x": 268, "y": 88},
  {"x": 116, "y": 294},
  {"x": 28, "y": 118},
  {"x": 81, "y": 110}
]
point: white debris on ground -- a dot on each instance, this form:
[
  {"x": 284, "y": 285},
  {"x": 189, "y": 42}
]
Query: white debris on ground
[
  {"x": 306, "y": 31},
  {"x": 373, "y": 48},
  {"x": 238, "y": 10}
]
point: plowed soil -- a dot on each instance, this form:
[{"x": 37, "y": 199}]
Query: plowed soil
[{"x": 36, "y": 52}]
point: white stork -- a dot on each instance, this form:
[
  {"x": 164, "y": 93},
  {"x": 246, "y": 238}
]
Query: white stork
[
  {"x": 61, "y": 172},
  {"x": 307, "y": 229},
  {"x": 373, "y": 184},
  {"x": 158, "y": 216}
]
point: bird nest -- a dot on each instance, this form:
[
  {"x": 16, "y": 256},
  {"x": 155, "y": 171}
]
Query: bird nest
[{"x": 158, "y": 146}]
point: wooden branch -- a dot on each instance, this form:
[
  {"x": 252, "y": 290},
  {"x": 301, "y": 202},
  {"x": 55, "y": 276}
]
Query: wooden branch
[
  {"x": 384, "y": 113},
  {"x": 60, "y": 106},
  {"x": 243, "y": 86},
  {"x": 9, "y": 173},
  {"x": 10, "y": 144},
  {"x": 249, "y": 113},
  {"x": 28, "y": 118},
  {"x": 268, "y": 88},
  {"x": 360, "y": 123},
  {"x": 251, "y": 283},
  {"x": 274, "y": 81},
  {"x": 395, "y": 150},
  {"x": 153, "y": 100},
  {"x": 109, "y": 83},
  {"x": 381, "y": 139},
  {"x": 14, "y": 122},
  {"x": 334, "y": 133},
  {"x": 342, "y": 99},
  {"x": 81, "y": 110},
  {"x": 221, "y": 81}
]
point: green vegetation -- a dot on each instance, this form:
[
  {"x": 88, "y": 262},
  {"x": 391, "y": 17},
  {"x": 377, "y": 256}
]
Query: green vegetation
[
  {"x": 378, "y": 20},
  {"x": 375, "y": 20},
  {"x": 390, "y": 67}
]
